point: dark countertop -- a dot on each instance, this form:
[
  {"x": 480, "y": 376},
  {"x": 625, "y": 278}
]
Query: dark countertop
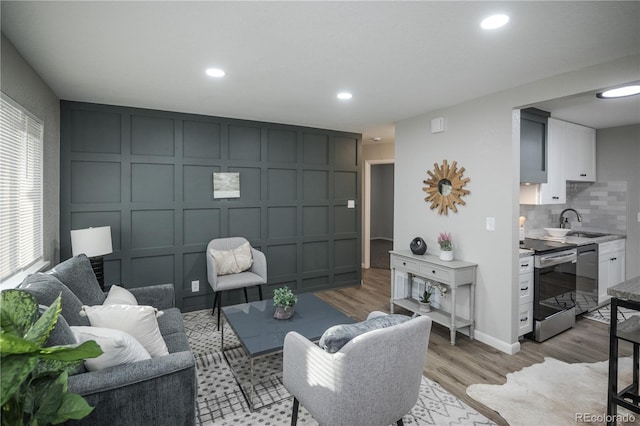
[{"x": 628, "y": 290}]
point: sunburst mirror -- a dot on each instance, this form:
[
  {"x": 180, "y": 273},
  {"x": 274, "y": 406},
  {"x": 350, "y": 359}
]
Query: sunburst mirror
[{"x": 445, "y": 187}]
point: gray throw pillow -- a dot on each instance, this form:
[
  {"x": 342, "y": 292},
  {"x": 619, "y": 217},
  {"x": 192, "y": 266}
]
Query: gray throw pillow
[
  {"x": 46, "y": 288},
  {"x": 76, "y": 273},
  {"x": 337, "y": 336}
]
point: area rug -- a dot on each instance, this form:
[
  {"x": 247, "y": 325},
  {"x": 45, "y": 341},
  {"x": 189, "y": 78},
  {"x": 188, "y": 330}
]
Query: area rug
[
  {"x": 603, "y": 314},
  {"x": 555, "y": 393},
  {"x": 221, "y": 402}
]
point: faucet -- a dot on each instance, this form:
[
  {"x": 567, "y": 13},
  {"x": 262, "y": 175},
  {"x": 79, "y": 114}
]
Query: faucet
[{"x": 564, "y": 220}]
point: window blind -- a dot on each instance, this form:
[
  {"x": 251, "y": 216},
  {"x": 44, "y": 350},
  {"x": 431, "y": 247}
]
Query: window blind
[{"x": 21, "y": 151}]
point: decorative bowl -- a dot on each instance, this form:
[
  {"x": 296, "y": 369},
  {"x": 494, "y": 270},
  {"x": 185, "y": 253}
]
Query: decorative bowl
[{"x": 557, "y": 232}]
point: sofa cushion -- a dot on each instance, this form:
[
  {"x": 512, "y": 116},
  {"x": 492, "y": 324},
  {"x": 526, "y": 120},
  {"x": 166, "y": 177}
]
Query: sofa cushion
[
  {"x": 232, "y": 261},
  {"x": 117, "y": 346},
  {"x": 76, "y": 273},
  {"x": 337, "y": 336},
  {"x": 139, "y": 321},
  {"x": 46, "y": 288}
]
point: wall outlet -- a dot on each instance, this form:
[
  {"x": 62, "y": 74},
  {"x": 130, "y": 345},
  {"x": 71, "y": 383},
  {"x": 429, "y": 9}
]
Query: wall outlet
[
  {"x": 195, "y": 286},
  {"x": 491, "y": 224}
]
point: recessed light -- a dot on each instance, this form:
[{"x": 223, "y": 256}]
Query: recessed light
[
  {"x": 215, "y": 72},
  {"x": 494, "y": 21},
  {"x": 620, "y": 92},
  {"x": 345, "y": 96}
]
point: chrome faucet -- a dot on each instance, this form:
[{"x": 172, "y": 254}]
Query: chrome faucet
[{"x": 564, "y": 220}]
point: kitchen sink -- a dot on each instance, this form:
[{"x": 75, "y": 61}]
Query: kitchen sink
[{"x": 582, "y": 234}]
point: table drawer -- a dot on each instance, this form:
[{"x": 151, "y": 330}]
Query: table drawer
[
  {"x": 435, "y": 273},
  {"x": 405, "y": 265}
]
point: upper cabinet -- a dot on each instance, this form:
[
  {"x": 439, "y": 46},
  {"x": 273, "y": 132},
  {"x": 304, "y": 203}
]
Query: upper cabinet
[
  {"x": 571, "y": 155},
  {"x": 555, "y": 190},
  {"x": 580, "y": 152},
  {"x": 533, "y": 145}
]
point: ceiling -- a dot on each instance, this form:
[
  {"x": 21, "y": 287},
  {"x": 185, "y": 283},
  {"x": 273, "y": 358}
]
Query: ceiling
[{"x": 286, "y": 61}]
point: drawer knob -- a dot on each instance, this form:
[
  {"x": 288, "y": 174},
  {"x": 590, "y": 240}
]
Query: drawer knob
[
  {"x": 404, "y": 263},
  {"x": 433, "y": 272}
]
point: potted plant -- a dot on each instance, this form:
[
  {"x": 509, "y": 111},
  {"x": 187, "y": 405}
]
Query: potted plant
[
  {"x": 284, "y": 301},
  {"x": 35, "y": 377},
  {"x": 446, "y": 246},
  {"x": 425, "y": 300}
]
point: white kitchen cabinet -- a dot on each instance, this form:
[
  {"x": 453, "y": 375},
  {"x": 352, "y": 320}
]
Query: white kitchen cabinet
[
  {"x": 555, "y": 190},
  {"x": 579, "y": 152},
  {"x": 525, "y": 286},
  {"x": 611, "y": 266}
]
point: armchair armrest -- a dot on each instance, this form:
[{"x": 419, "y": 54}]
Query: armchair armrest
[
  {"x": 259, "y": 266},
  {"x": 310, "y": 373},
  {"x": 161, "y": 296}
]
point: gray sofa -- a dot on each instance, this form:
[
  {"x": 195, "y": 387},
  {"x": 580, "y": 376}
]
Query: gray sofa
[{"x": 158, "y": 391}]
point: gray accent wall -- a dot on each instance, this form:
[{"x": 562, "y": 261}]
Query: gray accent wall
[{"x": 149, "y": 175}]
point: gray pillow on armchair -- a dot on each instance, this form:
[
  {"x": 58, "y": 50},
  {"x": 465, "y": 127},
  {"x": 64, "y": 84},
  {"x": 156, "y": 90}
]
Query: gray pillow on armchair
[{"x": 337, "y": 336}]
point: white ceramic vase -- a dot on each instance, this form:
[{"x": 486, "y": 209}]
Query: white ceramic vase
[
  {"x": 446, "y": 255},
  {"x": 425, "y": 307}
]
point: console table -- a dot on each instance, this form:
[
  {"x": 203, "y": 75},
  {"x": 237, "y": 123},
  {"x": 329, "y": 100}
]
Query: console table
[{"x": 454, "y": 274}]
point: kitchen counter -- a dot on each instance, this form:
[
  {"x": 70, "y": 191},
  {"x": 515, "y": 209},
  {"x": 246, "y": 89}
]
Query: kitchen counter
[
  {"x": 525, "y": 252},
  {"x": 581, "y": 241},
  {"x": 628, "y": 290}
]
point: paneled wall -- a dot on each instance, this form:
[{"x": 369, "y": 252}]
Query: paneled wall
[{"x": 149, "y": 175}]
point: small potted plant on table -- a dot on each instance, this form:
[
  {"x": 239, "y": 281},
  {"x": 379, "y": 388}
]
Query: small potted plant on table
[
  {"x": 425, "y": 300},
  {"x": 284, "y": 301}
]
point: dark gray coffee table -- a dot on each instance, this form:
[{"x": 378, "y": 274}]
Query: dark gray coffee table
[{"x": 260, "y": 334}]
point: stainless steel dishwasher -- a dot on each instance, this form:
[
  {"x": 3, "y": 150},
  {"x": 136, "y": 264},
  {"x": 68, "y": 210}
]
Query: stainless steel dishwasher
[{"x": 587, "y": 278}]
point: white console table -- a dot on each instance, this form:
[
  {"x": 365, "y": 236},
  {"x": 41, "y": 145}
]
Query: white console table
[{"x": 454, "y": 274}]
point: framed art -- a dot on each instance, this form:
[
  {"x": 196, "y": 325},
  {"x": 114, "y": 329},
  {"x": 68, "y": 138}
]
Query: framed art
[{"x": 226, "y": 185}]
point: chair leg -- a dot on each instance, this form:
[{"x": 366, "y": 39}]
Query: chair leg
[
  {"x": 294, "y": 413},
  {"x": 215, "y": 302},
  {"x": 400, "y": 423},
  {"x": 260, "y": 291},
  {"x": 219, "y": 308},
  {"x": 246, "y": 296}
]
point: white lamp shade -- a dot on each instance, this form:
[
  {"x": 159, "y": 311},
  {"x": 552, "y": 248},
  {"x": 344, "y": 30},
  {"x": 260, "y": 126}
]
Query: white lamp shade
[{"x": 91, "y": 241}]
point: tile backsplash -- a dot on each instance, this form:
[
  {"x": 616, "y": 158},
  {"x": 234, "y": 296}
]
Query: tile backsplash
[{"x": 602, "y": 206}]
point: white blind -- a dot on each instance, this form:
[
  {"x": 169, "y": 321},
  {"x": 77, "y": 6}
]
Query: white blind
[{"x": 21, "y": 238}]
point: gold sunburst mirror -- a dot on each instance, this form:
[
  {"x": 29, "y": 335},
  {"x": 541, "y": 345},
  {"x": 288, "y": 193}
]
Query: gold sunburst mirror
[{"x": 445, "y": 187}]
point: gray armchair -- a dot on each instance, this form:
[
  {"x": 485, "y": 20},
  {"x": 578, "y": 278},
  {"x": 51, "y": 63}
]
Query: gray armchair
[
  {"x": 374, "y": 379},
  {"x": 254, "y": 276}
]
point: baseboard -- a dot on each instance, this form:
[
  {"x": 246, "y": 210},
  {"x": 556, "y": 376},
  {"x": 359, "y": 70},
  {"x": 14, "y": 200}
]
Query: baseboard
[{"x": 496, "y": 343}]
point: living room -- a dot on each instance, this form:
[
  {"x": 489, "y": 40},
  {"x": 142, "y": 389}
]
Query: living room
[{"x": 478, "y": 135}]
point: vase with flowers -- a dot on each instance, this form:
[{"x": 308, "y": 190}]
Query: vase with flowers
[{"x": 446, "y": 246}]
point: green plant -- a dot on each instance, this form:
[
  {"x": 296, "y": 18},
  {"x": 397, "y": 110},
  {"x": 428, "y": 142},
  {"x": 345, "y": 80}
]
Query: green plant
[
  {"x": 34, "y": 378},
  {"x": 426, "y": 296},
  {"x": 284, "y": 297}
]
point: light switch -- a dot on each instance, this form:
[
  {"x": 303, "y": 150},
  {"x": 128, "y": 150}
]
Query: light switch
[
  {"x": 195, "y": 286},
  {"x": 351, "y": 204},
  {"x": 491, "y": 224}
]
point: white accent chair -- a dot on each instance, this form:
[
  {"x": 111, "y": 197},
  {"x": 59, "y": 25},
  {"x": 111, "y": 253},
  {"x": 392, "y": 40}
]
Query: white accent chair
[
  {"x": 254, "y": 276},
  {"x": 374, "y": 379}
]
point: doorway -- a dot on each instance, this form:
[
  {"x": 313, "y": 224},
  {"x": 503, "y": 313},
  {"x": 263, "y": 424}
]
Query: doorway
[{"x": 378, "y": 221}]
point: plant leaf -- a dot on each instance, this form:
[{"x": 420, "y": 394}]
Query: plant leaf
[
  {"x": 15, "y": 370},
  {"x": 89, "y": 349},
  {"x": 39, "y": 332},
  {"x": 73, "y": 407},
  {"x": 18, "y": 311},
  {"x": 11, "y": 345},
  {"x": 48, "y": 397}
]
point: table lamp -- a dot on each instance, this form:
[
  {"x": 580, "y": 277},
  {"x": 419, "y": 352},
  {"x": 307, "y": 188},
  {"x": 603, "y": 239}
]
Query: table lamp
[{"x": 94, "y": 243}]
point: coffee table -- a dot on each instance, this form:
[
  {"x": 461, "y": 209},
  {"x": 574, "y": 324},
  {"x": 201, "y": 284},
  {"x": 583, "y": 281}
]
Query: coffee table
[{"x": 260, "y": 334}]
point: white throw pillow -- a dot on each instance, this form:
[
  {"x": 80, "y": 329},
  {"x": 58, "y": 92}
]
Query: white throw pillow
[
  {"x": 138, "y": 321},
  {"x": 233, "y": 261},
  {"x": 120, "y": 296},
  {"x": 118, "y": 347}
]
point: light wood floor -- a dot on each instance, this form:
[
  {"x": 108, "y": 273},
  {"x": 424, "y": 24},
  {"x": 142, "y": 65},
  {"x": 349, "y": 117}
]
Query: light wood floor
[{"x": 470, "y": 361}]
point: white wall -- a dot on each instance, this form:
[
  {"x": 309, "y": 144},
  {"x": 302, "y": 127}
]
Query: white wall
[
  {"x": 23, "y": 85},
  {"x": 482, "y": 135},
  {"x": 617, "y": 158}
]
